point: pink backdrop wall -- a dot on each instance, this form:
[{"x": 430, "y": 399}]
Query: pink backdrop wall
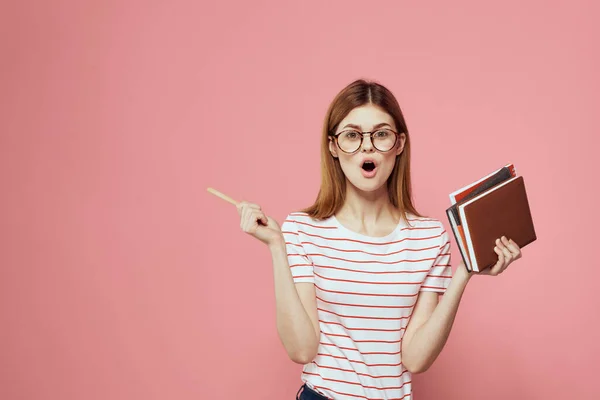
[{"x": 122, "y": 278}]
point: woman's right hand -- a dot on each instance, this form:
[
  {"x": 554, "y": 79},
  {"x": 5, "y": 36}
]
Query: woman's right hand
[{"x": 256, "y": 223}]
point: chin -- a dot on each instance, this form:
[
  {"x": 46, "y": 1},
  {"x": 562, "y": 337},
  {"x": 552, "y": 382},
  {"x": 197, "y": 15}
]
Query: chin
[{"x": 367, "y": 185}]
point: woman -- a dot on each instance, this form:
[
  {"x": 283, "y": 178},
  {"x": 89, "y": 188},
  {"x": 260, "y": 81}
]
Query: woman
[{"x": 358, "y": 274}]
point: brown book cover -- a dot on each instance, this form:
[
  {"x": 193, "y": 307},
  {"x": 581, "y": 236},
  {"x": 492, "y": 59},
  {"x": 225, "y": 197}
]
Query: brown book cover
[
  {"x": 500, "y": 211},
  {"x": 468, "y": 192}
]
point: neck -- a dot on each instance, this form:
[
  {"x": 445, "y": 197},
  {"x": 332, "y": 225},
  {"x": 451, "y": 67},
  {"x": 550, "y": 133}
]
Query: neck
[{"x": 368, "y": 208}]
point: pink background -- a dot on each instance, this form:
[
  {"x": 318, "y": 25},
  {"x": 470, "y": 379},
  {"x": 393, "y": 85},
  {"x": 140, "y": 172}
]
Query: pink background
[{"x": 122, "y": 278}]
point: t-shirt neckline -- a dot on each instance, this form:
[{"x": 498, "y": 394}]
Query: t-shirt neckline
[{"x": 356, "y": 235}]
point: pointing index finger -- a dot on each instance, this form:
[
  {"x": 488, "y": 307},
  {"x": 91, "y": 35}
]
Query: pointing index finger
[{"x": 222, "y": 196}]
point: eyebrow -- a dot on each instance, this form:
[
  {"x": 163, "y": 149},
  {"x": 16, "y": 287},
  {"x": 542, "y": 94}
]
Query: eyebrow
[{"x": 358, "y": 127}]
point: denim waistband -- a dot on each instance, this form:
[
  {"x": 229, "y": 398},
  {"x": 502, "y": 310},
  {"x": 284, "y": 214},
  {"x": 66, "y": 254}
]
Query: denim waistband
[{"x": 306, "y": 393}]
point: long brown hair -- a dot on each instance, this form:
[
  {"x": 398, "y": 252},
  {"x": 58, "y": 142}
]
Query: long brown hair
[{"x": 333, "y": 183}]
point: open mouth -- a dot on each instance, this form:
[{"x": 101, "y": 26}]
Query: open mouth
[{"x": 368, "y": 166}]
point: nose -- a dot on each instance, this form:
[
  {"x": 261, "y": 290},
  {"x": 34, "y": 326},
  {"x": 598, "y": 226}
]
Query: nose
[{"x": 367, "y": 144}]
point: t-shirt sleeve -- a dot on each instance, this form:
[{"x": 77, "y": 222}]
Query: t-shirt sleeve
[
  {"x": 440, "y": 273},
  {"x": 300, "y": 264}
]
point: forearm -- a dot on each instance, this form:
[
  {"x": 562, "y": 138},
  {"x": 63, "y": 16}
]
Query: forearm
[
  {"x": 296, "y": 330},
  {"x": 429, "y": 339}
]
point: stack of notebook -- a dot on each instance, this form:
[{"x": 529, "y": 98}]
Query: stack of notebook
[{"x": 494, "y": 206}]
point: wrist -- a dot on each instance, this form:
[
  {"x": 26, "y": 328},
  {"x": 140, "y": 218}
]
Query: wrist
[
  {"x": 462, "y": 274},
  {"x": 277, "y": 243}
]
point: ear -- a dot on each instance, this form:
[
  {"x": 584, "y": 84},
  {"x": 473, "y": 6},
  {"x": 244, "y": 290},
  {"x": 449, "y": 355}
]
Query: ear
[
  {"x": 332, "y": 148},
  {"x": 401, "y": 141}
]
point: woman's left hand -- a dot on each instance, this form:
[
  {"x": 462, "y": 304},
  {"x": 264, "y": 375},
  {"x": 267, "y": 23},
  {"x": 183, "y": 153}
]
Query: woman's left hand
[{"x": 508, "y": 251}]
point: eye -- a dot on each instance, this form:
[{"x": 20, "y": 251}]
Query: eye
[
  {"x": 350, "y": 134},
  {"x": 382, "y": 133}
]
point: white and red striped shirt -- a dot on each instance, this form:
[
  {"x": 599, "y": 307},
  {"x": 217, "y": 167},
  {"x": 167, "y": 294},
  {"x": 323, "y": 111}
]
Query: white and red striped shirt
[{"x": 366, "y": 290}]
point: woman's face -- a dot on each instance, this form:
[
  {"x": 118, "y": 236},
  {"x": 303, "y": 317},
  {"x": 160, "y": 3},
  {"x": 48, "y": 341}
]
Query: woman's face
[{"x": 369, "y": 167}]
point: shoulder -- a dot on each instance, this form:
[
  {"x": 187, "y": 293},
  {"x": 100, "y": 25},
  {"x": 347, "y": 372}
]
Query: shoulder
[
  {"x": 300, "y": 218},
  {"x": 433, "y": 226},
  {"x": 301, "y": 222},
  {"x": 425, "y": 222},
  {"x": 295, "y": 218}
]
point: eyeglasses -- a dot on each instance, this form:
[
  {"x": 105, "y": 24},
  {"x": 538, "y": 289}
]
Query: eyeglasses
[{"x": 350, "y": 141}]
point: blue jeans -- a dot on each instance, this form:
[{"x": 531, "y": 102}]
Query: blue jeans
[{"x": 306, "y": 393}]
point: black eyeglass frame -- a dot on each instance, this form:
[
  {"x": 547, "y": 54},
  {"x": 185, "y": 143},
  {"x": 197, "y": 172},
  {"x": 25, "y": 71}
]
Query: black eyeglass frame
[{"x": 362, "y": 138}]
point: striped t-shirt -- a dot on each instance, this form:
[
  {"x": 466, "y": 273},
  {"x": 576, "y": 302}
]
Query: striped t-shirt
[{"x": 366, "y": 290}]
